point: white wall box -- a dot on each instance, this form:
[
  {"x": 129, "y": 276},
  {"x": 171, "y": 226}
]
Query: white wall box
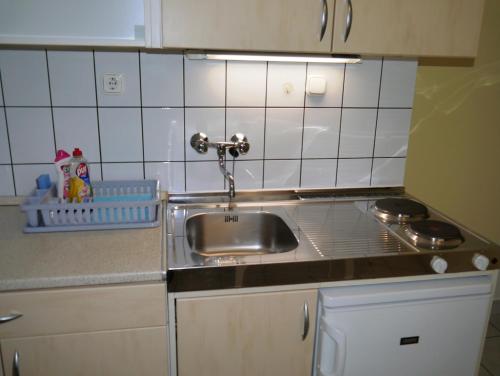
[{"x": 91, "y": 22}]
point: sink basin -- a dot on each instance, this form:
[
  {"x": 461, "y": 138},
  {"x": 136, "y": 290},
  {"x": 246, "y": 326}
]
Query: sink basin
[{"x": 239, "y": 234}]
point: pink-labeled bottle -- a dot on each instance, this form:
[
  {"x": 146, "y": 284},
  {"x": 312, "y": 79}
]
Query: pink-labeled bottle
[{"x": 63, "y": 167}]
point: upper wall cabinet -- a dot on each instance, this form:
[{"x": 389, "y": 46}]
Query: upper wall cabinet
[
  {"x": 77, "y": 22},
  {"x": 408, "y": 27},
  {"x": 258, "y": 25}
]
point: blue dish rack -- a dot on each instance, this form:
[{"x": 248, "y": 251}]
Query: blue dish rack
[{"x": 115, "y": 205}]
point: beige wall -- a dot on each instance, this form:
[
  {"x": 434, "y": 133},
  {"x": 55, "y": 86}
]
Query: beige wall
[{"x": 454, "y": 148}]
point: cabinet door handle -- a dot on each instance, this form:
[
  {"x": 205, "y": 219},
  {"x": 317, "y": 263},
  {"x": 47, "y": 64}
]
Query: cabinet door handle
[
  {"x": 324, "y": 19},
  {"x": 306, "y": 321},
  {"x": 348, "y": 20},
  {"x": 9, "y": 317},
  {"x": 15, "y": 364}
]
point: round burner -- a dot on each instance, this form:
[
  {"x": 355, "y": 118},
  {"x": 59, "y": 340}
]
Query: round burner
[
  {"x": 434, "y": 234},
  {"x": 399, "y": 210}
]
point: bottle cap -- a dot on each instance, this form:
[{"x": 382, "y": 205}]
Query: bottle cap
[
  {"x": 61, "y": 154},
  {"x": 77, "y": 152}
]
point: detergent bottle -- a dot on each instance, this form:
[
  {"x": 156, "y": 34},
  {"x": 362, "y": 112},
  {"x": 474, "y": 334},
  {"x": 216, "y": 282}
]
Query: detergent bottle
[{"x": 80, "y": 188}]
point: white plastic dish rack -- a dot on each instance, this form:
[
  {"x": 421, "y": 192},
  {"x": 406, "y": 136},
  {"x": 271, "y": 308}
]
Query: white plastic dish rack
[{"x": 115, "y": 205}]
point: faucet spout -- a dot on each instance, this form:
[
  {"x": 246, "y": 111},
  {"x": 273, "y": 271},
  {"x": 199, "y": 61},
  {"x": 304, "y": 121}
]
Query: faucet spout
[{"x": 221, "y": 152}]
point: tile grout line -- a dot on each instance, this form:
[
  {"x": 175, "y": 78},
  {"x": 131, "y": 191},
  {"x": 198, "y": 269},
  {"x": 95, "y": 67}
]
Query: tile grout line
[
  {"x": 303, "y": 126},
  {"x": 97, "y": 114},
  {"x": 50, "y": 100},
  {"x": 225, "y": 119},
  {"x": 265, "y": 127},
  {"x": 340, "y": 126},
  {"x": 8, "y": 135},
  {"x": 76, "y": 106},
  {"x": 184, "y": 114},
  {"x": 142, "y": 117},
  {"x": 376, "y": 119}
]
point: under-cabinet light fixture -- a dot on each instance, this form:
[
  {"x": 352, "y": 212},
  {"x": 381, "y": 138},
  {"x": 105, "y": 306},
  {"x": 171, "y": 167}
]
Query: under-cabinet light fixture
[{"x": 338, "y": 59}]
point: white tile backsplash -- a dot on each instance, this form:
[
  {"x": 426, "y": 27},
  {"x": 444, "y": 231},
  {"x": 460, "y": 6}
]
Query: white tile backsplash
[
  {"x": 210, "y": 121},
  {"x": 398, "y": 83},
  {"x": 4, "y": 141},
  {"x": 388, "y": 171},
  {"x": 127, "y": 65},
  {"x": 281, "y": 174},
  {"x": 25, "y": 176},
  {"x": 250, "y": 122},
  {"x": 203, "y": 176},
  {"x": 247, "y": 174},
  {"x": 205, "y": 82},
  {"x": 77, "y": 127},
  {"x": 6, "y": 181},
  {"x": 284, "y": 133},
  {"x": 170, "y": 174},
  {"x": 122, "y": 171},
  {"x": 145, "y": 131},
  {"x": 286, "y": 84},
  {"x": 393, "y": 127},
  {"x": 163, "y": 134},
  {"x": 162, "y": 80},
  {"x": 31, "y": 135},
  {"x": 121, "y": 135},
  {"x": 24, "y": 77},
  {"x": 352, "y": 173},
  {"x": 318, "y": 173},
  {"x": 72, "y": 78},
  {"x": 321, "y": 132},
  {"x": 362, "y": 83},
  {"x": 334, "y": 76},
  {"x": 357, "y": 133},
  {"x": 246, "y": 84}
]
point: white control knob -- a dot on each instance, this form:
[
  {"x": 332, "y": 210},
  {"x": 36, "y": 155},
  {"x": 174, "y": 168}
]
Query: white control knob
[
  {"x": 480, "y": 261},
  {"x": 439, "y": 264}
]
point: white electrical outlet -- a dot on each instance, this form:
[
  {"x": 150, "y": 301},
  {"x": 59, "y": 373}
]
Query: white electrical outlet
[{"x": 113, "y": 83}]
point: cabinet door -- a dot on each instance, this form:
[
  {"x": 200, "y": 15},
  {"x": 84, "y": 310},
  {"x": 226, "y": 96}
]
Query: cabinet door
[
  {"x": 89, "y": 22},
  {"x": 408, "y": 27},
  {"x": 246, "y": 335},
  {"x": 264, "y": 25},
  {"x": 125, "y": 352}
]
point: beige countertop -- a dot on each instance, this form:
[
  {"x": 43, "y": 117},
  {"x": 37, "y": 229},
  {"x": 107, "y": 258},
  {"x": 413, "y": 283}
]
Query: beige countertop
[{"x": 31, "y": 261}]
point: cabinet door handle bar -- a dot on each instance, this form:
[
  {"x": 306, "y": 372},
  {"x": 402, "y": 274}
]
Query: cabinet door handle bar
[
  {"x": 9, "y": 317},
  {"x": 306, "y": 321},
  {"x": 324, "y": 19},
  {"x": 348, "y": 20},
  {"x": 15, "y": 364}
]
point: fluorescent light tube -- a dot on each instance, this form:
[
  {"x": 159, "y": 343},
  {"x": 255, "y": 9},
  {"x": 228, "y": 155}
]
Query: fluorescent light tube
[{"x": 275, "y": 57}]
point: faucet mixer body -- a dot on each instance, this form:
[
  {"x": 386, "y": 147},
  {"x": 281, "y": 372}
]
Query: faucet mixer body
[{"x": 238, "y": 145}]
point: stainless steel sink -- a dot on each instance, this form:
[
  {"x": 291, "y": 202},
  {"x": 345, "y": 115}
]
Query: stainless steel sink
[{"x": 239, "y": 233}]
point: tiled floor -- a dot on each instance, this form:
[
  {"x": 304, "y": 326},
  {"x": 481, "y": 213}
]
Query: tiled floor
[{"x": 490, "y": 365}]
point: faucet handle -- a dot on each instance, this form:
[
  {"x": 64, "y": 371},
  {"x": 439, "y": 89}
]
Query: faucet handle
[
  {"x": 242, "y": 145},
  {"x": 199, "y": 142}
]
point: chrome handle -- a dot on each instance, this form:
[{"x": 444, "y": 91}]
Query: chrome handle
[
  {"x": 348, "y": 20},
  {"x": 199, "y": 142},
  {"x": 9, "y": 317},
  {"x": 306, "y": 321},
  {"x": 324, "y": 19},
  {"x": 15, "y": 364}
]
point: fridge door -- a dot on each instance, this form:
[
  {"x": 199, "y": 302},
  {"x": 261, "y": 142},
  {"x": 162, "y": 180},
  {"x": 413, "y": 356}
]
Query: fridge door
[{"x": 430, "y": 337}]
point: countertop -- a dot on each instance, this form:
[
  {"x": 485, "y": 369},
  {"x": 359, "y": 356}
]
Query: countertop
[{"x": 33, "y": 261}]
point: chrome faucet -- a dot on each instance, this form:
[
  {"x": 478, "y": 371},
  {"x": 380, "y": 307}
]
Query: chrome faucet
[{"x": 238, "y": 145}]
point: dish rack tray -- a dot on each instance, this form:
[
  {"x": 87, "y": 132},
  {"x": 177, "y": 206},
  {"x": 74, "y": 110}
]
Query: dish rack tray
[{"x": 115, "y": 205}]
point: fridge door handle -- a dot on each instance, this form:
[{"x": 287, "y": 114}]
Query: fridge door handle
[{"x": 339, "y": 338}]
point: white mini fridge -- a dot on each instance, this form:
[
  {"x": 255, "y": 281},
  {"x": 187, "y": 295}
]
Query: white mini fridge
[{"x": 418, "y": 328}]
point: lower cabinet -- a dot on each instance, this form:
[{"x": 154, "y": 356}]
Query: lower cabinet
[
  {"x": 246, "y": 335},
  {"x": 120, "y": 352}
]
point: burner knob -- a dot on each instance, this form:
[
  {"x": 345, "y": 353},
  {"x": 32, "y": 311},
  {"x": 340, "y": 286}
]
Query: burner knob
[
  {"x": 480, "y": 261},
  {"x": 439, "y": 264}
]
